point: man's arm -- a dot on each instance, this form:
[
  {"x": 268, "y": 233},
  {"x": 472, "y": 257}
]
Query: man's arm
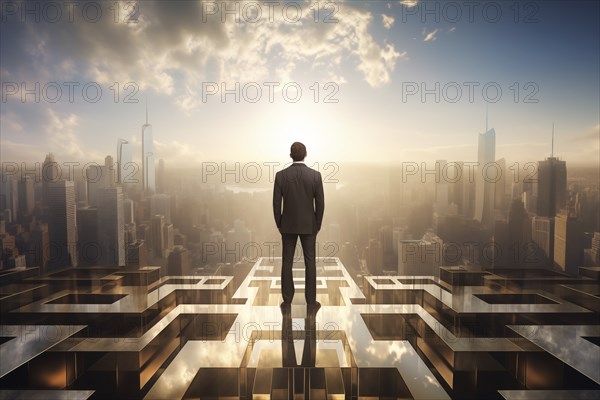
[
  {"x": 277, "y": 196},
  {"x": 319, "y": 201}
]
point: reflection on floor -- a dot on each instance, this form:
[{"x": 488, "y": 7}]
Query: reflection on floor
[{"x": 99, "y": 332}]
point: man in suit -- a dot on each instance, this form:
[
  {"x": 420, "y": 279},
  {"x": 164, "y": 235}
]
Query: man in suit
[{"x": 301, "y": 188}]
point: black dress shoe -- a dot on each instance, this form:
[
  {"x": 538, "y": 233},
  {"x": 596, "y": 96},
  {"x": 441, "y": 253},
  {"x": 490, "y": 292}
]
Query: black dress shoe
[{"x": 313, "y": 307}]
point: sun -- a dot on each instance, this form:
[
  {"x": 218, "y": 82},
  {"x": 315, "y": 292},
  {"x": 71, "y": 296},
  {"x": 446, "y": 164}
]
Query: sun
[{"x": 304, "y": 124}]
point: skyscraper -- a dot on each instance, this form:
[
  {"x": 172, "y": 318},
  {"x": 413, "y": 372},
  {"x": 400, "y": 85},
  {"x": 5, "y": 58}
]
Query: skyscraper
[
  {"x": 125, "y": 169},
  {"x": 178, "y": 262},
  {"x": 26, "y": 195},
  {"x": 161, "y": 204},
  {"x": 512, "y": 238},
  {"x": 136, "y": 254},
  {"x": 9, "y": 196},
  {"x": 62, "y": 224},
  {"x": 592, "y": 255},
  {"x": 157, "y": 233},
  {"x": 99, "y": 177},
  {"x": 111, "y": 233},
  {"x": 38, "y": 250},
  {"x": 484, "y": 186},
  {"x": 568, "y": 243},
  {"x": 542, "y": 231},
  {"x": 552, "y": 186},
  {"x": 149, "y": 176},
  {"x": 50, "y": 173},
  {"x": 420, "y": 257},
  {"x": 81, "y": 190},
  {"x": 88, "y": 248}
]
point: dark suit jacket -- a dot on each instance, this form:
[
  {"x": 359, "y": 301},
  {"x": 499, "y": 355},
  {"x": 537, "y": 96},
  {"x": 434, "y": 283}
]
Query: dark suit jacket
[{"x": 301, "y": 188}]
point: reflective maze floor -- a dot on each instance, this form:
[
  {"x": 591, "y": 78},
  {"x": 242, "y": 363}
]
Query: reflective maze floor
[{"x": 100, "y": 332}]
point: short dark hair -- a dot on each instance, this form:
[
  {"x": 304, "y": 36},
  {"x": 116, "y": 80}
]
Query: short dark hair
[{"x": 298, "y": 151}]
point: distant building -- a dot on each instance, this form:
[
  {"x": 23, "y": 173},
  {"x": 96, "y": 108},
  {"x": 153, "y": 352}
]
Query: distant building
[
  {"x": 136, "y": 254},
  {"x": 99, "y": 177},
  {"x": 8, "y": 249},
  {"x": 126, "y": 171},
  {"x": 420, "y": 257},
  {"x": 148, "y": 168},
  {"x": 592, "y": 255},
  {"x": 81, "y": 191},
  {"x": 9, "y": 197},
  {"x": 62, "y": 224},
  {"x": 237, "y": 240},
  {"x": 568, "y": 243},
  {"x": 484, "y": 186},
  {"x": 512, "y": 239},
  {"x": 375, "y": 257},
  {"x": 552, "y": 187},
  {"x": 169, "y": 237},
  {"x": 178, "y": 263},
  {"x": 111, "y": 233},
  {"x": 161, "y": 204},
  {"x": 89, "y": 249},
  {"x": 542, "y": 235},
  {"x": 26, "y": 196},
  {"x": 38, "y": 252},
  {"x": 128, "y": 211},
  {"x": 50, "y": 173},
  {"x": 157, "y": 235}
]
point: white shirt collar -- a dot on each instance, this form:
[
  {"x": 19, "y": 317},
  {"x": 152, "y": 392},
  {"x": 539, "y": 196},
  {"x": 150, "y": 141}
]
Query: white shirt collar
[{"x": 298, "y": 162}]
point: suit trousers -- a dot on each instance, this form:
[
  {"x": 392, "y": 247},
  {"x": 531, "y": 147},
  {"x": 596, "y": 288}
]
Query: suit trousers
[{"x": 309, "y": 242}]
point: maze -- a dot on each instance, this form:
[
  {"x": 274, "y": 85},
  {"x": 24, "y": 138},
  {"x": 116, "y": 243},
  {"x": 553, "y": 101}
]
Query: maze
[{"x": 97, "y": 332}]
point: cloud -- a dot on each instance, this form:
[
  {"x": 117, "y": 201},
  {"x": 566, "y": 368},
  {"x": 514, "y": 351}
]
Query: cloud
[
  {"x": 60, "y": 134},
  {"x": 388, "y": 21},
  {"x": 431, "y": 36},
  {"x": 170, "y": 51},
  {"x": 592, "y": 135},
  {"x": 11, "y": 122},
  {"x": 173, "y": 49},
  {"x": 409, "y": 3},
  {"x": 176, "y": 152}
]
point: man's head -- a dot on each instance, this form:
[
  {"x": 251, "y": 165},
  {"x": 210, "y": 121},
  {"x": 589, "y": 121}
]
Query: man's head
[{"x": 298, "y": 151}]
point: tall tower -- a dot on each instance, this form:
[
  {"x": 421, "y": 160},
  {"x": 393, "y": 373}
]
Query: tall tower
[
  {"x": 50, "y": 173},
  {"x": 26, "y": 195},
  {"x": 62, "y": 224},
  {"x": 125, "y": 167},
  {"x": 552, "y": 185},
  {"x": 157, "y": 235},
  {"x": 484, "y": 187},
  {"x": 148, "y": 174}
]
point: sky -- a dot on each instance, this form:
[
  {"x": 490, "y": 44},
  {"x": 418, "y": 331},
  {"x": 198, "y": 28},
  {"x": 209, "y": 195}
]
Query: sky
[{"x": 380, "y": 81}]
